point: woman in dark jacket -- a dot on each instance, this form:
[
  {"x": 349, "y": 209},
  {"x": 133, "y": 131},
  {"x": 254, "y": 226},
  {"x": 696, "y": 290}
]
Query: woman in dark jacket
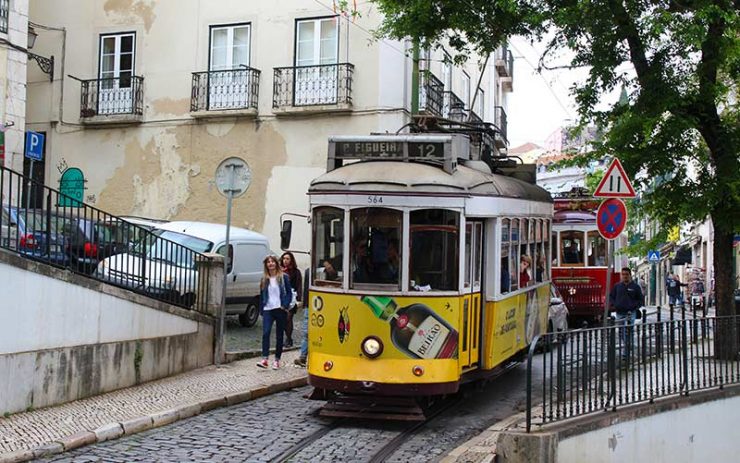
[
  {"x": 275, "y": 297},
  {"x": 289, "y": 267}
]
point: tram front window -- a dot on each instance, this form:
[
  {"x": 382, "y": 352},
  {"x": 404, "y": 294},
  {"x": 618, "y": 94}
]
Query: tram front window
[
  {"x": 375, "y": 254},
  {"x": 327, "y": 247},
  {"x": 596, "y": 249},
  {"x": 571, "y": 248},
  {"x": 434, "y": 250}
]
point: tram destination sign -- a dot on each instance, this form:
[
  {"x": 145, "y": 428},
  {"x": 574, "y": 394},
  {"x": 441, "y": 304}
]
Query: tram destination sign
[{"x": 389, "y": 150}]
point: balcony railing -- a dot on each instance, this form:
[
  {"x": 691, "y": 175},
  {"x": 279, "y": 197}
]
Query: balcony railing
[
  {"x": 504, "y": 61},
  {"x": 453, "y": 107},
  {"x": 224, "y": 90},
  {"x": 499, "y": 120},
  {"x": 4, "y": 11},
  {"x": 474, "y": 118},
  {"x": 327, "y": 84},
  {"x": 431, "y": 94},
  {"x": 113, "y": 96}
]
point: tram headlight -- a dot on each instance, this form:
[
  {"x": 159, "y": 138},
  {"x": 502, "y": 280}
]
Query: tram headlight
[{"x": 372, "y": 347}]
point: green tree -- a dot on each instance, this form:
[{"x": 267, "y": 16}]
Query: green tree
[{"x": 678, "y": 121}]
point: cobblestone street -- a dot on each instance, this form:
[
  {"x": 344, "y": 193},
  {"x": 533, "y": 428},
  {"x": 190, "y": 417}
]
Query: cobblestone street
[{"x": 262, "y": 430}]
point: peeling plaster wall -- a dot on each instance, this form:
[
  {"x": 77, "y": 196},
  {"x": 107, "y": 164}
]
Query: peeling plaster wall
[{"x": 163, "y": 167}]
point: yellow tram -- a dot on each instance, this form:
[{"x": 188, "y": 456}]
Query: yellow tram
[{"x": 417, "y": 284}]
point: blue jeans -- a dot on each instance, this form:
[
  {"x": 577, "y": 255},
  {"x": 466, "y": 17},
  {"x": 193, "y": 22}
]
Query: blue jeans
[
  {"x": 304, "y": 343},
  {"x": 625, "y": 322},
  {"x": 279, "y": 316}
]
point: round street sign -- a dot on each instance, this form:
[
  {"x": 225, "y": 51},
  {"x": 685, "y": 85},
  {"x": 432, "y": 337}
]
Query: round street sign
[
  {"x": 611, "y": 217},
  {"x": 233, "y": 177}
]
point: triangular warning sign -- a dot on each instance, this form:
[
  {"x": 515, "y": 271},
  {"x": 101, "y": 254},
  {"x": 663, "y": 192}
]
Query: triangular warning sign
[{"x": 615, "y": 183}]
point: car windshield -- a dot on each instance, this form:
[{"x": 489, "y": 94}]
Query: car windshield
[{"x": 165, "y": 248}]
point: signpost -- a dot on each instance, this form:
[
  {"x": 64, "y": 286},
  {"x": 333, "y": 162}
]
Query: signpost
[
  {"x": 34, "y": 152},
  {"x": 611, "y": 217},
  {"x": 233, "y": 177},
  {"x": 653, "y": 256}
]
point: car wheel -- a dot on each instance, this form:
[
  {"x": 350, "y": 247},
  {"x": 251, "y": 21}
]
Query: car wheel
[
  {"x": 249, "y": 317},
  {"x": 188, "y": 300}
]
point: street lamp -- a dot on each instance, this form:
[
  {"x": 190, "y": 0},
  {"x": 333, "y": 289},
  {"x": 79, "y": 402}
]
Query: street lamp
[{"x": 46, "y": 64}]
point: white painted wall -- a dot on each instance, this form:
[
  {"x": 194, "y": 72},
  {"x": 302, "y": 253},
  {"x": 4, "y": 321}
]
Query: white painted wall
[
  {"x": 698, "y": 433},
  {"x": 38, "y": 312}
]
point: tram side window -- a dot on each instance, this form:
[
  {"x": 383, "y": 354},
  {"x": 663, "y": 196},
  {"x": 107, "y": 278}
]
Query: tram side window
[
  {"x": 546, "y": 234},
  {"x": 571, "y": 248},
  {"x": 375, "y": 254},
  {"x": 540, "y": 261},
  {"x": 596, "y": 249},
  {"x": 434, "y": 242},
  {"x": 328, "y": 245},
  {"x": 505, "y": 270},
  {"x": 514, "y": 254},
  {"x": 554, "y": 248}
]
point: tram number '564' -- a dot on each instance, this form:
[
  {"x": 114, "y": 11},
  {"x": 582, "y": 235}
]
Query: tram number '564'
[{"x": 372, "y": 199}]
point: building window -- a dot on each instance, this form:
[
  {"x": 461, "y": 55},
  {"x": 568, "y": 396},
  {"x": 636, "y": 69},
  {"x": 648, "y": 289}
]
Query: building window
[
  {"x": 229, "y": 47},
  {"x": 317, "y": 42},
  {"x": 466, "y": 89},
  {"x": 4, "y": 10},
  {"x": 116, "y": 74},
  {"x": 447, "y": 72},
  {"x": 480, "y": 104}
]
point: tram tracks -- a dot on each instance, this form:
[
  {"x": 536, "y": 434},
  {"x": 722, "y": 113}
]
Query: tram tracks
[{"x": 378, "y": 455}]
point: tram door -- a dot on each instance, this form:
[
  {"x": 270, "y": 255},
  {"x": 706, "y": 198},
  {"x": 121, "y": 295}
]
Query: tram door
[{"x": 471, "y": 309}]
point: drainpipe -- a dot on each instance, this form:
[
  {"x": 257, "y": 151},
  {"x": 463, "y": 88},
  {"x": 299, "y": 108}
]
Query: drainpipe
[{"x": 415, "y": 79}]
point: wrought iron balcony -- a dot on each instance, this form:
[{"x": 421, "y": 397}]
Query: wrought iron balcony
[
  {"x": 225, "y": 90},
  {"x": 431, "y": 94},
  {"x": 113, "y": 96},
  {"x": 453, "y": 108},
  {"x": 504, "y": 61},
  {"x": 322, "y": 85},
  {"x": 474, "y": 118},
  {"x": 499, "y": 120}
]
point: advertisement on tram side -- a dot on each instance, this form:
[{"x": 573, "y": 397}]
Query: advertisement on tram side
[
  {"x": 408, "y": 327},
  {"x": 515, "y": 322}
]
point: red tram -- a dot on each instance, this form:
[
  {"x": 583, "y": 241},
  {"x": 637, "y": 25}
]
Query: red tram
[{"x": 579, "y": 257}]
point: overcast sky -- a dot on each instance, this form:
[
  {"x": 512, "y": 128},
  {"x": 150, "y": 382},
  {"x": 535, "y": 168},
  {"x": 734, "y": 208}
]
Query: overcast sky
[{"x": 540, "y": 103}]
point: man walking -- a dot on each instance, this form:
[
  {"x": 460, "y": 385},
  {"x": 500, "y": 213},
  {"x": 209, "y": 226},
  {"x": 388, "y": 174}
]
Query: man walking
[
  {"x": 673, "y": 286},
  {"x": 626, "y": 298}
]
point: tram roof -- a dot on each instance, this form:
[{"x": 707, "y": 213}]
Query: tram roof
[{"x": 418, "y": 178}]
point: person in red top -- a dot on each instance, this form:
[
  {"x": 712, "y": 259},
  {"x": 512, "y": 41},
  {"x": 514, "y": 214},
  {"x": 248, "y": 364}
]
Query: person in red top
[{"x": 525, "y": 266}]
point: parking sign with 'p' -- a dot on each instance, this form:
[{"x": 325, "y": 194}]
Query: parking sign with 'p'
[{"x": 35, "y": 146}]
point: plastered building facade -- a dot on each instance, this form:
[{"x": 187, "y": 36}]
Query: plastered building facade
[{"x": 135, "y": 108}]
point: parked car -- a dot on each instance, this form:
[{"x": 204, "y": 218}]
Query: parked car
[
  {"x": 558, "y": 313},
  {"x": 167, "y": 272},
  {"x": 31, "y": 234}
]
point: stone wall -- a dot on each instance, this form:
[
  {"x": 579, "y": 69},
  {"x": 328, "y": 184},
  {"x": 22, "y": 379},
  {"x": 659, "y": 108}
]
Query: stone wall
[{"x": 64, "y": 336}]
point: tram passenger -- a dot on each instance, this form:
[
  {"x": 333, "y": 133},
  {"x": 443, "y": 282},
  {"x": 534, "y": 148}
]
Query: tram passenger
[
  {"x": 540, "y": 271},
  {"x": 290, "y": 268},
  {"x": 275, "y": 297},
  {"x": 505, "y": 275},
  {"x": 362, "y": 267},
  {"x": 525, "y": 266}
]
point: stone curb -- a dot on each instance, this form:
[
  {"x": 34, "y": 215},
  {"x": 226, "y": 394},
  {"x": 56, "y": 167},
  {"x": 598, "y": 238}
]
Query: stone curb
[{"x": 116, "y": 430}]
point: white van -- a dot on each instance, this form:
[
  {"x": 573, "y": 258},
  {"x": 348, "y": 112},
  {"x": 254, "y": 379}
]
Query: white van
[{"x": 247, "y": 248}]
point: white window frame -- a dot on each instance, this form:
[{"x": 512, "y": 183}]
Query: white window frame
[
  {"x": 316, "y": 40},
  {"x": 230, "y": 28},
  {"x": 466, "y": 88},
  {"x": 116, "y": 54}
]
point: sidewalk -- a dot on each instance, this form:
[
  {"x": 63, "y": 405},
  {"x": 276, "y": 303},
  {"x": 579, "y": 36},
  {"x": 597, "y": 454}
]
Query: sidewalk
[{"x": 51, "y": 430}]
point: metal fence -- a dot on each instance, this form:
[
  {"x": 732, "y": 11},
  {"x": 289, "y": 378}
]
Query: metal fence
[
  {"x": 453, "y": 107},
  {"x": 221, "y": 90},
  {"x": 327, "y": 84},
  {"x": 600, "y": 369},
  {"x": 112, "y": 96},
  {"x": 69, "y": 234},
  {"x": 499, "y": 120}
]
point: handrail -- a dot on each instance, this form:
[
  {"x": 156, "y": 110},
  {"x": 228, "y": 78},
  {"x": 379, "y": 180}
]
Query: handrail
[{"x": 57, "y": 228}]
